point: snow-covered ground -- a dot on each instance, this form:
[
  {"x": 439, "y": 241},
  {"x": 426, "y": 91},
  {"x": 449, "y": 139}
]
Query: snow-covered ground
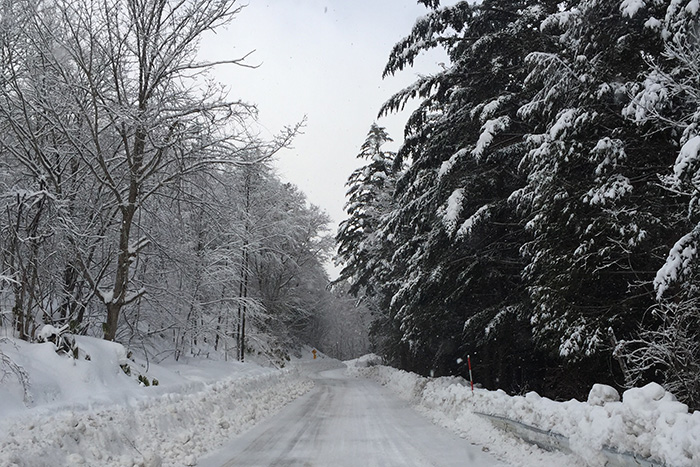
[
  {"x": 646, "y": 421},
  {"x": 90, "y": 412}
]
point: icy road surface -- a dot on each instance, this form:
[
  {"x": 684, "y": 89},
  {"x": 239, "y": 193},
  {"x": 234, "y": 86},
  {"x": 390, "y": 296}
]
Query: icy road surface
[{"x": 346, "y": 421}]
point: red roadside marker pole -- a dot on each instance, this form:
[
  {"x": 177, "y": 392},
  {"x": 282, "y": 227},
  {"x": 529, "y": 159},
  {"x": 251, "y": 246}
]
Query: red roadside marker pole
[{"x": 469, "y": 363}]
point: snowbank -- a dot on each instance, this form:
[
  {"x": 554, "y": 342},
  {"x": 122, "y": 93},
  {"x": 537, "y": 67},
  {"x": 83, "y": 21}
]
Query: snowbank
[
  {"x": 365, "y": 361},
  {"x": 89, "y": 412},
  {"x": 428, "y": 397},
  {"x": 647, "y": 422}
]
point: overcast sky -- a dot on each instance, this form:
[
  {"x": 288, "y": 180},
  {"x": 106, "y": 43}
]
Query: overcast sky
[{"x": 322, "y": 59}]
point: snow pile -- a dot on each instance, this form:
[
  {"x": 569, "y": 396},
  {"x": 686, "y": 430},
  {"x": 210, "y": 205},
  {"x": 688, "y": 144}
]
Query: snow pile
[
  {"x": 439, "y": 400},
  {"x": 365, "y": 361},
  {"x": 90, "y": 412},
  {"x": 53, "y": 378},
  {"x": 647, "y": 422}
]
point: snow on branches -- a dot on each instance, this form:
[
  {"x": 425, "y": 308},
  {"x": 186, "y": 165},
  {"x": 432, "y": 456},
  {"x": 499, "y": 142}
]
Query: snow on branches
[
  {"x": 450, "y": 213},
  {"x": 678, "y": 264},
  {"x": 687, "y": 166}
]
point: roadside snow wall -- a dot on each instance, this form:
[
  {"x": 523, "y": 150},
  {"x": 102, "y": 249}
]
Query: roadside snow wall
[
  {"x": 647, "y": 422},
  {"x": 167, "y": 430}
]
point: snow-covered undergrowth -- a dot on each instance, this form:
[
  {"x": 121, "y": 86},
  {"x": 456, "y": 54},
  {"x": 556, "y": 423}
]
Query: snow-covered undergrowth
[
  {"x": 647, "y": 421},
  {"x": 90, "y": 412}
]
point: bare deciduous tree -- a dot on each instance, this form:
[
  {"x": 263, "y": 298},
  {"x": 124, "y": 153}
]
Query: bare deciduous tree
[{"x": 136, "y": 114}]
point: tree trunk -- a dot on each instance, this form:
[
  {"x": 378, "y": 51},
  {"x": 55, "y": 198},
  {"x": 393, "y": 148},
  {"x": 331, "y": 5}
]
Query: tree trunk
[
  {"x": 121, "y": 280},
  {"x": 243, "y": 289},
  {"x": 242, "y": 295}
]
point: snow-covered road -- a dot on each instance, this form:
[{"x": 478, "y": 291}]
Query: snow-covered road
[{"x": 346, "y": 421}]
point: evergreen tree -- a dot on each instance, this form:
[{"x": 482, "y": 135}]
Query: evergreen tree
[
  {"x": 370, "y": 192},
  {"x": 530, "y": 202},
  {"x": 455, "y": 281},
  {"x": 597, "y": 217},
  {"x": 668, "y": 345},
  {"x": 365, "y": 248}
]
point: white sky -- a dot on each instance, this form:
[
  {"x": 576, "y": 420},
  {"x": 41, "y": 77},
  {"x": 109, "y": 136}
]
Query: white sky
[{"x": 322, "y": 59}]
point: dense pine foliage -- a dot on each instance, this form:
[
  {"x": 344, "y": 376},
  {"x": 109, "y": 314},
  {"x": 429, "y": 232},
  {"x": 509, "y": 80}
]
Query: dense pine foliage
[{"x": 542, "y": 210}]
